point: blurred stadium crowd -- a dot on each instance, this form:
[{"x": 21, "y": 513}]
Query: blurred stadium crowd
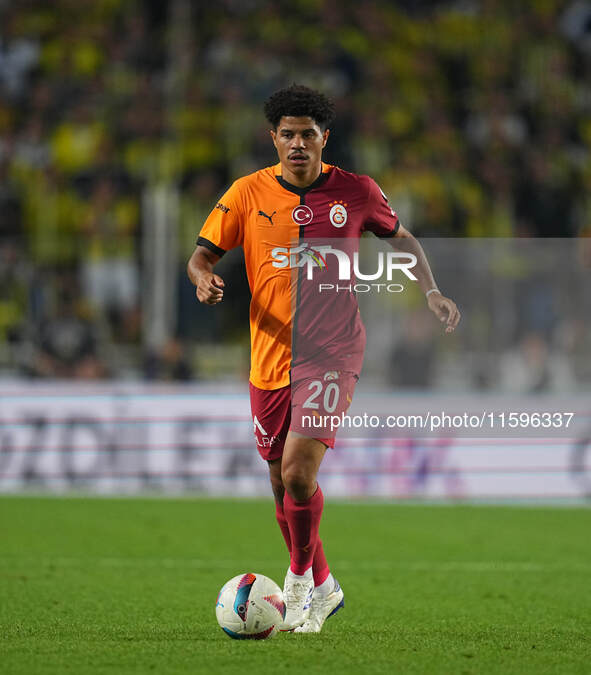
[{"x": 474, "y": 117}]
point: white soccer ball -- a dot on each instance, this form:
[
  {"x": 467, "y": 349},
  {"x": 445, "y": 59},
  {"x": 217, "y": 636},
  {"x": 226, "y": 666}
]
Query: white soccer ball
[{"x": 250, "y": 607}]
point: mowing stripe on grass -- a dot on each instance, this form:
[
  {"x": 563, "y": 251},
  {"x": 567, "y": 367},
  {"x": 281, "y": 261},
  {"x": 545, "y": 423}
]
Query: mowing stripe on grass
[{"x": 414, "y": 566}]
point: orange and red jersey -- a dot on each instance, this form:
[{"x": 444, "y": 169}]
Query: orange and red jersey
[{"x": 263, "y": 213}]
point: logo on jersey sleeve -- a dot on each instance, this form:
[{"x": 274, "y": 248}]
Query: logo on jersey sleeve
[
  {"x": 338, "y": 213},
  {"x": 388, "y": 203},
  {"x": 302, "y": 215}
]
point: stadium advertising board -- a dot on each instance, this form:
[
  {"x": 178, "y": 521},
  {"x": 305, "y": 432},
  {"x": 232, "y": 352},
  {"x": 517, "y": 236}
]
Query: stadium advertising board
[{"x": 130, "y": 439}]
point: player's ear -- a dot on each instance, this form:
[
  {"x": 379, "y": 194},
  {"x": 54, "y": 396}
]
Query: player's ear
[
  {"x": 273, "y": 136},
  {"x": 325, "y": 136}
]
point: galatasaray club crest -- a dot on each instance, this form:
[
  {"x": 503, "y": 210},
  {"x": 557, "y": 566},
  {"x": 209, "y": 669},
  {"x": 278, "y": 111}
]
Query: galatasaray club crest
[
  {"x": 302, "y": 215},
  {"x": 338, "y": 213}
]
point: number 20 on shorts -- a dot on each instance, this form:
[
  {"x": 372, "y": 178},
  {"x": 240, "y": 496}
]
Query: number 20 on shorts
[{"x": 329, "y": 397}]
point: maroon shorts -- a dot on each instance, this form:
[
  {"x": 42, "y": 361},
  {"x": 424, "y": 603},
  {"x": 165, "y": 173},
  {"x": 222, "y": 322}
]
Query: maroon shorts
[{"x": 306, "y": 406}]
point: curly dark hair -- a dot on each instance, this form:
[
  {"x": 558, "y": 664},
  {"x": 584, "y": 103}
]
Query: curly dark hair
[{"x": 299, "y": 101}]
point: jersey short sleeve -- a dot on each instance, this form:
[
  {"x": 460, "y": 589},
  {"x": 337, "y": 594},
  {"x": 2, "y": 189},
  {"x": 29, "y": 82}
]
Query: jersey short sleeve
[
  {"x": 224, "y": 228},
  {"x": 379, "y": 217}
]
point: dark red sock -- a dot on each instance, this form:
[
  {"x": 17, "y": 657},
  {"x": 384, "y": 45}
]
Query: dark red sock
[
  {"x": 304, "y": 520},
  {"x": 320, "y": 568},
  {"x": 282, "y": 521}
]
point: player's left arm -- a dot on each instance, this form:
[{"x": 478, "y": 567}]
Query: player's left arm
[{"x": 445, "y": 309}]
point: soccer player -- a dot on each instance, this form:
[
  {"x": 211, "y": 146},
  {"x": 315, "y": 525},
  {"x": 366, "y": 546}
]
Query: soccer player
[{"x": 265, "y": 213}]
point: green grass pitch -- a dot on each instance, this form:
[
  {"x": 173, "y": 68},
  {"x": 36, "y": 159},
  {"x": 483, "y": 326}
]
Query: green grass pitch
[{"x": 129, "y": 585}]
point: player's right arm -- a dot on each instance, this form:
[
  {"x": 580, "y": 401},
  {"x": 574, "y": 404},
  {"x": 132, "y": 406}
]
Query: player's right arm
[
  {"x": 222, "y": 231},
  {"x": 208, "y": 285}
]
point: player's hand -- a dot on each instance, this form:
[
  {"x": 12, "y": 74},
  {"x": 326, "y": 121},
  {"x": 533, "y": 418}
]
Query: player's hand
[
  {"x": 445, "y": 310},
  {"x": 209, "y": 290}
]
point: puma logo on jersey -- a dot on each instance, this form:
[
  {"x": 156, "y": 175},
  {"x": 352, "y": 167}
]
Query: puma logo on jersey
[{"x": 270, "y": 218}]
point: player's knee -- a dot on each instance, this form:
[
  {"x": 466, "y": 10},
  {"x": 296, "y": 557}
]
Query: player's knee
[
  {"x": 298, "y": 483},
  {"x": 278, "y": 490},
  {"x": 276, "y": 480}
]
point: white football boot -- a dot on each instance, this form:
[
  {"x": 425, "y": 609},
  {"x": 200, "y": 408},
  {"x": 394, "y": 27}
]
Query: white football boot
[
  {"x": 322, "y": 607},
  {"x": 297, "y": 594}
]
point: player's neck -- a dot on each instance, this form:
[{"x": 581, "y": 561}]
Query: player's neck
[{"x": 301, "y": 180}]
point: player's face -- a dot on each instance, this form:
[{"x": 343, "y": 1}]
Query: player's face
[{"x": 299, "y": 142}]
